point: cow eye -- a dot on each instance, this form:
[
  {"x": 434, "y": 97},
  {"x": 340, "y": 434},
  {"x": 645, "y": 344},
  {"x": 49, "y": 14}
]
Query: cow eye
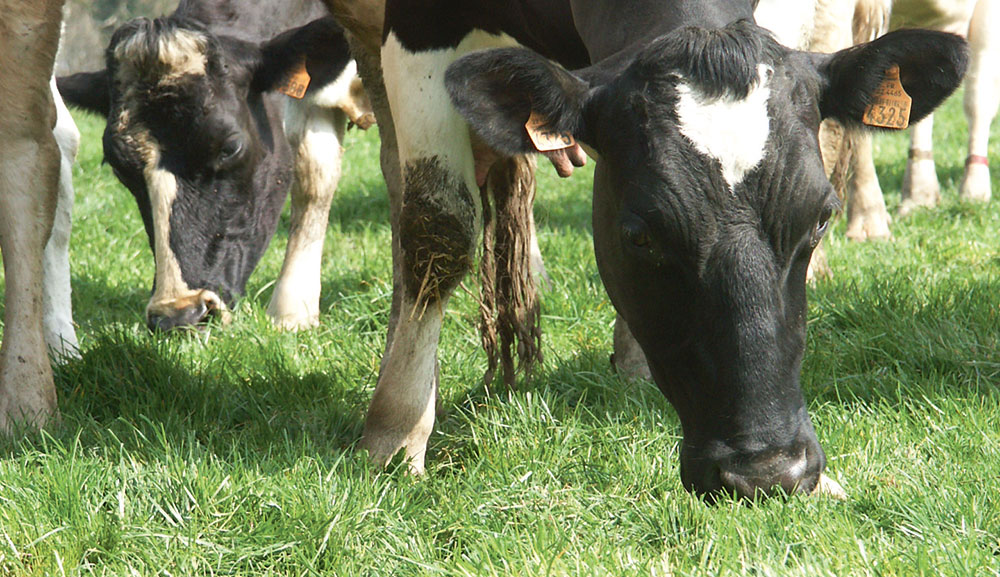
[
  {"x": 229, "y": 151},
  {"x": 822, "y": 225},
  {"x": 636, "y": 232}
]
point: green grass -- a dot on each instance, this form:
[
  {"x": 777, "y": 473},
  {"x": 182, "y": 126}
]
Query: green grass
[{"x": 232, "y": 452}]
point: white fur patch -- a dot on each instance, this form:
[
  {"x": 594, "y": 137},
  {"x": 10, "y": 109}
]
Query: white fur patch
[
  {"x": 427, "y": 125},
  {"x": 175, "y": 55},
  {"x": 332, "y": 94},
  {"x": 732, "y": 131}
]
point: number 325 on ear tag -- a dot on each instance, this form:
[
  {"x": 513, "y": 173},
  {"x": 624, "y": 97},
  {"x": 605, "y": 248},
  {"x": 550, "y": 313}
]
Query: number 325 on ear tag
[
  {"x": 544, "y": 138},
  {"x": 890, "y": 107}
]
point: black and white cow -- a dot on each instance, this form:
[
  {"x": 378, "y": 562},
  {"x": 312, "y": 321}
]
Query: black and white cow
[
  {"x": 209, "y": 149},
  {"x": 709, "y": 195}
]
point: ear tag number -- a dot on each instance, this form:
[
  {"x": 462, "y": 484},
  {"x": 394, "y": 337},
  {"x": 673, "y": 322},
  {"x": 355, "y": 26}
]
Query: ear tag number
[
  {"x": 295, "y": 81},
  {"x": 544, "y": 138},
  {"x": 890, "y": 106}
]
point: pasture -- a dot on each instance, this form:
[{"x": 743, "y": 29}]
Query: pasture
[{"x": 230, "y": 452}]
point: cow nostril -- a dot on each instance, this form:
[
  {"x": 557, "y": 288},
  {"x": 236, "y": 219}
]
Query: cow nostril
[{"x": 767, "y": 477}]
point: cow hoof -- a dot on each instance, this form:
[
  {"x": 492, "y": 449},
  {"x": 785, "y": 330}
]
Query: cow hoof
[
  {"x": 63, "y": 345},
  {"x": 293, "y": 323},
  {"x": 920, "y": 186},
  {"x": 382, "y": 448},
  {"x": 829, "y": 488},
  {"x": 870, "y": 225},
  {"x": 976, "y": 183}
]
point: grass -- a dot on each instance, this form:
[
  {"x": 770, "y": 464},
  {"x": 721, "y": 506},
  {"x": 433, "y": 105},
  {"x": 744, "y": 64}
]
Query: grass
[{"x": 231, "y": 452}]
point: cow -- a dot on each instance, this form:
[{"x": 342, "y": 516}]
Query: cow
[
  {"x": 30, "y": 165},
  {"x": 200, "y": 135},
  {"x": 709, "y": 194}
]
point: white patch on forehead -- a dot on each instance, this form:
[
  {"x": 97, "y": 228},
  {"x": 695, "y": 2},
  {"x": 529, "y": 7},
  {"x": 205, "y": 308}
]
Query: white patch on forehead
[
  {"x": 732, "y": 131},
  {"x": 175, "y": 54}
]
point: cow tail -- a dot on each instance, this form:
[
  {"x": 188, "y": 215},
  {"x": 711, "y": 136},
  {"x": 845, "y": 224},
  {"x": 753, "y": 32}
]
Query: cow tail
[{"x": 509, "y": 306}]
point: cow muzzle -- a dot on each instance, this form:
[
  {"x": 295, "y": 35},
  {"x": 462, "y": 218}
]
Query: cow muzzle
[
  {"x": 793, "y": 469},
  {"x": 192, "y": 310}
]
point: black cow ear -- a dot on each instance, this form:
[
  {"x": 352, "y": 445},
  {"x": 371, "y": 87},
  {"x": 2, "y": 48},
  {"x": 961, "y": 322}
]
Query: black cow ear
[
  {"x": 318, "y": 49},
  {"x": 86, "y": 90},
  {"x": 498, "y": 91},
  {"x": 930, "y": 64}
]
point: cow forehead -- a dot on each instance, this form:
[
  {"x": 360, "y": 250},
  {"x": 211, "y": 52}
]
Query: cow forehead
[
  {"x": 732, "y": 129},
  {"x": 159, "y": 55}
]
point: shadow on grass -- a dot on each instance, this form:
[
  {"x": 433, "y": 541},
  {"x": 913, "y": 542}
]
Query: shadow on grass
[{"x": 139, "y": 391}]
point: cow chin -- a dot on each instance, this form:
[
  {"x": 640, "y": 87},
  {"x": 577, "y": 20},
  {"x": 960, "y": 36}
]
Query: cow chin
[{"x": 191, "y": 310}]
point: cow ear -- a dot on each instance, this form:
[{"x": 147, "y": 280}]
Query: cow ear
[
  {"x": 497, "y": 91},
  {"x": 86, "y": 90},
  {"x": 319, "y": 46},
  {"x": 931, "y": 66}
]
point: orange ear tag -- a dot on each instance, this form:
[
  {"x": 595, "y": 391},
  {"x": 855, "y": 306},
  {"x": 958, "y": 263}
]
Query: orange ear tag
[
  {"x": 890, "y": 107},
  {"x": 295, "y": 82},
  {"x": 544, "y": 138}
]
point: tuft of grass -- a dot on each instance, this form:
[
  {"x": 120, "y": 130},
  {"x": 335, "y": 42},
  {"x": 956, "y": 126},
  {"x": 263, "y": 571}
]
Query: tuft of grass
[{"x": 231, "y": 452}]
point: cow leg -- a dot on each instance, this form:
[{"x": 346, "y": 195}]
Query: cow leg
[
  {"x": 920, "y": 183},
  {"x": 315, "y": 134},
  {"x": 867, "y": 217},
  {"x": 370, "y": 71},
  {"x": 628, "y": 358},
  {"x": 29, "y": 179},
  {"x": 437, "y": 225},
  {"x": 58, "y": 316},
  {"x": 982, "y": 97}
]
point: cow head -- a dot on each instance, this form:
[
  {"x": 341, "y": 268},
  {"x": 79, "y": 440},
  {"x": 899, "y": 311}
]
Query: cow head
[
  {"x": 195, "y": 133},
  {"x": 709, "y": 197}
]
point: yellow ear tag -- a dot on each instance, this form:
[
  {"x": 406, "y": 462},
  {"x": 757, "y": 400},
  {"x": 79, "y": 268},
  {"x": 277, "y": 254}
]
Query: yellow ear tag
[
  {"x": 890, "y": 107},
  {"x": 295, "y": 81},
  {"x": 544, "y": 138}
]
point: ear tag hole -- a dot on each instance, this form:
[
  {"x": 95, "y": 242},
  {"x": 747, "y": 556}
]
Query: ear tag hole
[
  {"x": 890, "y": 106},
  {"x": 544, "y": 138},
  {"x": 295, "y": 81}
]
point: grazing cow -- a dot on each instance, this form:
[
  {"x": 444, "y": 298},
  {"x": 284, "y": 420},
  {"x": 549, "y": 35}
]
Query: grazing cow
[
  {"x": 709, "y": 195},
  {"x": 29, "y": 182},
  {"x": 197, "y": 132}
]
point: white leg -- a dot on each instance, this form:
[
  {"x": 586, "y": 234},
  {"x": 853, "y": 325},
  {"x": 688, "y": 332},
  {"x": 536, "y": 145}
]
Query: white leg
[
  {"x": 867, "y": 217},
  {"x": 316, "y": 135},
  {"x": 982, "y": 97},
  {"x": 401, "y": 414},
  {"x": 29, "y": 178},
  {"x": 920, "y": 182},
  {"x": 438, "y": 223},
  {"x": 60, "y": 333}
]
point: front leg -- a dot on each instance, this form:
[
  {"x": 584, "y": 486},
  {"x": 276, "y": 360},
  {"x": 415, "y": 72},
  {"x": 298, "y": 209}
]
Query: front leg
[
  {"x": 982, "y": 97},
  {"x": 436, "y": 224},
  {"x": 920, "y": 181},
  {"x": 29, "y": 178},
  {"x": 60, "y": 334},
  {"x": 316, "y": 134}
]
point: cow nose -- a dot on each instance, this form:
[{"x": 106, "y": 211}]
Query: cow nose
[
  {"x": 189, "y": 311},
  {"x": 793, "y": 469},
  {"x": 766, "y": 475}
]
